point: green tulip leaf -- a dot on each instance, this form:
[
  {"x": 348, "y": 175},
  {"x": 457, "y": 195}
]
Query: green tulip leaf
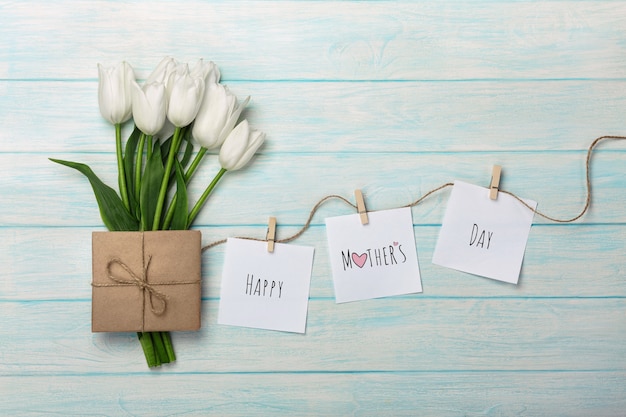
[
  {"x": 165, "y": 149},
  {"x": 112, "y": 210},
  {"x": 150, "y": 186},
  {"x": 185, "y": 137},
  {"x": 179, "y": 221},
  {"x": 129, "y": 164},
  {"x": 187, "y": 155}
]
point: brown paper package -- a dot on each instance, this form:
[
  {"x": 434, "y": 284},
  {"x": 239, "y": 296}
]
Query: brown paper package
[{"x": 167, "y": 297}]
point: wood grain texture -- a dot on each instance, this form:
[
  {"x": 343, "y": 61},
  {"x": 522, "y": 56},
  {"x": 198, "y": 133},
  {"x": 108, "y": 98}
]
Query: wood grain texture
[
  {"x": 553, "y": 267},
  {"x": 290, "y": 191},
  {"x": 311, "y": 40},
  {"x": 369, "y": 394},
  {"x": 399, "y": 334},
  {"x": 394, "y": 98},
  {"x": 326, "y": 117}
]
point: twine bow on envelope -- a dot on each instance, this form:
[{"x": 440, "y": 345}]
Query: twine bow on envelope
[{"x": 141, "y": 282}]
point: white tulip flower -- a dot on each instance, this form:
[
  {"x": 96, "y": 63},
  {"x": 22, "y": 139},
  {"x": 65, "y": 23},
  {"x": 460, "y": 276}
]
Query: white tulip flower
[
  {"x": 149, "y": 107},
  {"x": 162, "y": 72},
  {"x": 166, "y": 131},
  {"x": 184, "y": 92},
  {"x": 114, "y": 92},
  {"x": 240, "y": 146},
  {"x": 217, "y": 116},
  {"x": 207, "y": 71}
]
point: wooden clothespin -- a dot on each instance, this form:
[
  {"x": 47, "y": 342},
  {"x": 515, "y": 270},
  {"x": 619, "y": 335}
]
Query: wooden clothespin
[
  {"x": 495, "y": 182},
  {"x": 360, "y": 206},
  {"x": 271, "y": 234}
]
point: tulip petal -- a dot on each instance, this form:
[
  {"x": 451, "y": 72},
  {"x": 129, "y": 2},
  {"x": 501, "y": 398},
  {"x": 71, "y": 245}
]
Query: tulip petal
[
  {"x": 233, "y": 119},
  {"x": 184, "y": 97},
  {"x": 149, "y": 107},
  {"x": 212, "y": 116},
  {"x": 256, "y": 140},
  {"x": 114, "y": 92},
  {"x": 234, "y": 146},
  {"x": 162, "y": 71}
]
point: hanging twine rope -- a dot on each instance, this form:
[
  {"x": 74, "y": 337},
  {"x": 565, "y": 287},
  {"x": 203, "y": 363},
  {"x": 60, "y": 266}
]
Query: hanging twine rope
[{"x": 307, "y": 224}]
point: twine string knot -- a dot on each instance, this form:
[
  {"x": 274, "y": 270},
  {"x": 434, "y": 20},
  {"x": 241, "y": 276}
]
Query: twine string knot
[{"x": 140, "y": 282}]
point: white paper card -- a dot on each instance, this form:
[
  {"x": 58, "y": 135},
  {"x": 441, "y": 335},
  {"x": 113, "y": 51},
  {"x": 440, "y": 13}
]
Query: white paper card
[
  {"x": 482, "y": 236},
  {"x": 375, "y": 260},
  {"x": 265, "y": 290}
]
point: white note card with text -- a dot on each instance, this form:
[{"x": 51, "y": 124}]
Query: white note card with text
[
  {"x": 373, "y": 260},
  {"x": 265, "y": 290},
  {"x": 484, "y": 237}
]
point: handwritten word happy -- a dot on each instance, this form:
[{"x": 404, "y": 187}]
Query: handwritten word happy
[
  {"x": 261, "y": 288},
  {"x": 384, "y": 256},
  {"x": 479, "y": 240}
]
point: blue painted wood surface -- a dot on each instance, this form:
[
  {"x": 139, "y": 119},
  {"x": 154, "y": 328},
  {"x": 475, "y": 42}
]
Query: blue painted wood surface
[{"x": 395, "y": 98}]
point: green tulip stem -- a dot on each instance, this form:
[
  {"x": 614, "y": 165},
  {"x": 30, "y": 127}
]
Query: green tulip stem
[
  {"x": 190, "y": 171},
  {"x": 120, "y": 165},
  {"x": 159, "y": 348},
  {"x": 166, "y": 178},
  {"x": 169, "y": 348},
  {"x": 162, "y": 344},
  {"x": 196, "y": 208},
  {"x": 149, "y": 153},
  {"x": 147, "y": 346},
  {"x": 170, "y": 213},
  {"x": 194, "y": 164},
  {"x": 138, "y": 160}
]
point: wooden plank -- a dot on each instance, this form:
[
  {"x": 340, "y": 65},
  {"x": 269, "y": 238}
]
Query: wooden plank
[
  {"x": 52, "y": 195},
  {"x": 328, "y": 117},
  {"x": 398, "y": 394},
  {"x": 579, "y": 261},
  {"x": 393, "y": 334},
  {"x": 357, "y": 40}
]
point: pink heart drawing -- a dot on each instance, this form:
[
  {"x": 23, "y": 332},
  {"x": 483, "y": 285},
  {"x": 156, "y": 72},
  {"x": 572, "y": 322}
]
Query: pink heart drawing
[
  {"x": 395, "y": 243},
  {"x": 359, "y": 260}
]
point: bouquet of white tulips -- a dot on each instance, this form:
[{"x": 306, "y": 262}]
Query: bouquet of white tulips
[{"x": 174, "y": 108}]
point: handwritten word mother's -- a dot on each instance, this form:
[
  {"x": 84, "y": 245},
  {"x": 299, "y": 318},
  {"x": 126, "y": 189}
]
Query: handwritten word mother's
[{"x": 385, "y": 256}]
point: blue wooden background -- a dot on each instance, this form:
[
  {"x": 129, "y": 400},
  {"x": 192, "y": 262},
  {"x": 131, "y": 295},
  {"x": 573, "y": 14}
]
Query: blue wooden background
[{"x": 393, "y": 97}]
